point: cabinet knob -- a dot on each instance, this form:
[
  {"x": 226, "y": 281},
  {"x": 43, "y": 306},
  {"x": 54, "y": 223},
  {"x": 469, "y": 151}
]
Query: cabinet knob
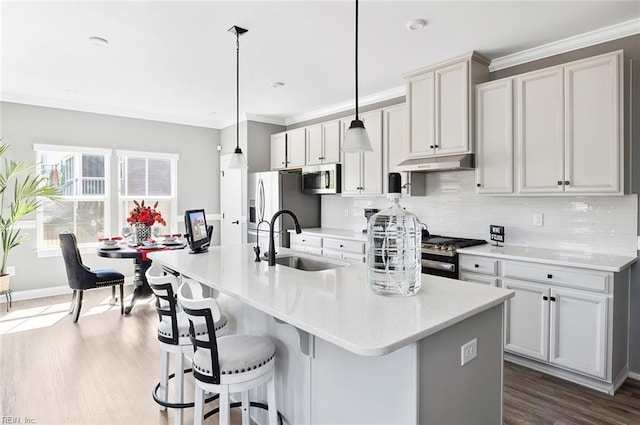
[
  {"x": 304, "y": 240},
  {"x": 549, "y": 276},
  {"x": 478, "y": 185},
  {"x": 431, "y": 146},
  {"x": 282, "y": 163},
  {"x": 552, "y": 298},
  {"x": 437, "y": 146},
  {"x": 476, "y": 265},
  {"x": 559, "y": 183},
  {"x": 341, "y": 246},
  {"x": 545, "y": 298},
  {"x": 566, "y": 182}
]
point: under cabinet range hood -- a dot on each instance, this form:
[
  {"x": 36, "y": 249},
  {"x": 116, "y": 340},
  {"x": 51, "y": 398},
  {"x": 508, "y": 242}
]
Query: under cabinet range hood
[{"x": 439, "y": 163}]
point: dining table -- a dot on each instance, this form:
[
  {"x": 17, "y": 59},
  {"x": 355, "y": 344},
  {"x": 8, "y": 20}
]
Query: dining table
[{"x": 141, "y": 263}]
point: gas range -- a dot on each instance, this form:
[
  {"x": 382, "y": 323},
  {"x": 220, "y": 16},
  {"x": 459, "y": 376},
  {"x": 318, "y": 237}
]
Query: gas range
[{"x": 447, "y": 246}]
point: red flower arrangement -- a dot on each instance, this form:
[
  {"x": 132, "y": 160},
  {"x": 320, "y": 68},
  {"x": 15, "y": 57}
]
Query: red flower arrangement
[{"x": 145, "y": 215}]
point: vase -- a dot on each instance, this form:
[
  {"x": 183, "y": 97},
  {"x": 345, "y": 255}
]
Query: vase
[{"x": 141, "y": 233}]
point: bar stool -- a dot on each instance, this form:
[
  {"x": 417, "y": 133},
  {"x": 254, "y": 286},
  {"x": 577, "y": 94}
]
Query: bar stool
[
  {"x": 227, "y": 364},
  {"x": 173, "y": 334}
]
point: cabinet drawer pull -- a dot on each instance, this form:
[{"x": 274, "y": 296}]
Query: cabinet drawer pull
[
  {"x": 476, "y": 265},
  {"x": 304, "y": 240},
  {"x": 545, "y": 298},
  {"x": 552, "y": 298},
  {"x": 431, "y": 146},
  {"x": 549, "y": 276},
  {"x": 437, "y": 146},
  {"x": 478, "y": 185},
  {"x": 559, "y": 183},
  {"x": 341, "y": 246},
  {"x": 566, "y": 182}
]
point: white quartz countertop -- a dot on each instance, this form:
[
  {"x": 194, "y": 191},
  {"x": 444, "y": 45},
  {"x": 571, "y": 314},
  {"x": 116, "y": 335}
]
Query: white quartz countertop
[
  {"x": 336, "y": 304},
  {"x": 584, "y": 260},
  {"x": 335, "y": 233}
]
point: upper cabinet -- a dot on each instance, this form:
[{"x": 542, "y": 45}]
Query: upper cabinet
[
  {"x": 288, "y": 149},
  {"x": 323, "y": 143},
  {"x": 553, "y": 131},
  {"x": 569, "y": 121},
  {"x": 494, "y": 137},
  {"x": 362, "y": 172},
  {"x": 440, "y": 112}
]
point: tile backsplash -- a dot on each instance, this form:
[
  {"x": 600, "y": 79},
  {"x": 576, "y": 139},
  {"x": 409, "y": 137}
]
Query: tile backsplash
[{"x": 601, "y": 224}]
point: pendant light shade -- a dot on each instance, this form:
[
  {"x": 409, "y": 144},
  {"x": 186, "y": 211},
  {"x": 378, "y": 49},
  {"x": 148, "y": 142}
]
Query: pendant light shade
[
  {"x": 356, "y": 138},
  {"x": 238, "y": 160}
]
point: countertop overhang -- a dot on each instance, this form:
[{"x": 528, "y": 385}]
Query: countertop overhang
[
  {"x": 584, "y": 260},
  {"x": 336, "y": 305}
]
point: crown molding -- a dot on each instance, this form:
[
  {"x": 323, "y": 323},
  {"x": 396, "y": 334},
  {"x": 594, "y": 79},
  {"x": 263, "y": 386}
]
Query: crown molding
[
  {"x": 342, "y": 107},
  {"x": 107, "y": 110},
  {"x": 266, "y": 119},
  {"x": 587, "y": 39}
]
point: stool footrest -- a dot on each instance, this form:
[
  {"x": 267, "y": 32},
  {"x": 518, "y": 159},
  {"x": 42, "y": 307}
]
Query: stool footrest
[
  {"x": 177, "y": 405},
  {"x": 239, "y": 404}
]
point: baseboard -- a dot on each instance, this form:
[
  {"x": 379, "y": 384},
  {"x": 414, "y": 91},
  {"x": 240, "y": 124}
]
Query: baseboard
[
  {"x": 634, "y": 375},
  {"x": 52, "y": 291}
]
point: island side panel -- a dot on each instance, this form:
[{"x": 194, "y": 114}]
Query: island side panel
[
  {"x": 349, "y": 389},
  {"x": 469, "y": 394}
]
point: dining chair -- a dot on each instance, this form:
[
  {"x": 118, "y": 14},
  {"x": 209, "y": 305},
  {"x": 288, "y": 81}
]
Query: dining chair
[{"x": 81, "y": 277}]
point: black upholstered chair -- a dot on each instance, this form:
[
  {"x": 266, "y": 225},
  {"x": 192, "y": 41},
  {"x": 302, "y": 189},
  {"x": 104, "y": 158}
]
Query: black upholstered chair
[{"x": 82, "y": 277}]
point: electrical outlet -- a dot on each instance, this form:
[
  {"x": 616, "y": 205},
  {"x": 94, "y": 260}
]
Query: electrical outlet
[
  {"x": 468, "y": 351},
  {"x": 11, "y": 270},
  {"x": 538, "y": 219}
]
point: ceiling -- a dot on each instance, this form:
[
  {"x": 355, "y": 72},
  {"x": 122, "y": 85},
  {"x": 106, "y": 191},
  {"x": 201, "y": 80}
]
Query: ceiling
[{"x": 175, "y": 61}]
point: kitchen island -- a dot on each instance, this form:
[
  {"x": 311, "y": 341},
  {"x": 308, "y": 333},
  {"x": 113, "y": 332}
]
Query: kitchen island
[{"x": 347, "y": 355}]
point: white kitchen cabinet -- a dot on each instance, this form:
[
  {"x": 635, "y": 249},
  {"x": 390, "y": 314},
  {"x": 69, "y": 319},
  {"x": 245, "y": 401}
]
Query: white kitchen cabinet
[
  {"x": 393, "y": 142},
  {"x": 440, "y": 111},
  {"x": 494, "y": 137},
  {"x": 323, "y": 143},
  {"x": 288, "y": 149},
  {"x": 305, "y": 243},
  {"x": 279, "y": 151},
  {"x": 593, "y": 117},
  {"x": 569, "y": 122},
  {"x": 343, "y": 249},
  {"x": 362, "y": 172}
]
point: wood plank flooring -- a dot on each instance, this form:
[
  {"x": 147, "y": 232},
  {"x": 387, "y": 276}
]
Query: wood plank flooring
[{"x": 102, "y": 371}]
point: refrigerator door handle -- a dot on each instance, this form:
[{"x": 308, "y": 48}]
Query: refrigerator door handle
[{"x": 260, "y": 201}]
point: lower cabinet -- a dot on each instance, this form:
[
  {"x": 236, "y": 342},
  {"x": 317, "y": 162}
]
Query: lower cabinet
[
  {"x": 306, "y": 243},
  {"x": 563, "y": 318}
]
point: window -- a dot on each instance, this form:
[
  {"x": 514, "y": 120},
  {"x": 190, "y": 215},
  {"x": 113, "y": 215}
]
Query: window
[
  {"x": 82, "y": 176},
  {"x": 150, "y": 177}
]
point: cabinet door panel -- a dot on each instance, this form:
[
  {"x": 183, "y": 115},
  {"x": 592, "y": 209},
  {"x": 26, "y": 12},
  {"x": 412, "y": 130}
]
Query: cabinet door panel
[
  {"x": 372, "y": 161},
  {"x": 314, "y": 145},
  {"x": 478, "y": 278},
  {"x": 296, "y": 147},
  {"x": 421, "y": 98},
  {"x": 494, "y": 137},
  {"x": 527, "y": 320},
  {"x": 540, "y": 131},
  {"x": 592, "y": 134},
  {"x": 579, "y": 331},
  {"x": 452, "y": 109},
  {"x": 331, "y": 137},
  {"x": 278, "y": 151}
]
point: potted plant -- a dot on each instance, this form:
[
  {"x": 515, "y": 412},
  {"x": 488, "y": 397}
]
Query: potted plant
[{"x": 21, "y": 193}]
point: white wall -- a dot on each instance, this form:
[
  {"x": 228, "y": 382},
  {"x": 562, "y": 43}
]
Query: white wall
[
  {"x": 198, "y": 170},
  {"x": 452, "y": 208}
]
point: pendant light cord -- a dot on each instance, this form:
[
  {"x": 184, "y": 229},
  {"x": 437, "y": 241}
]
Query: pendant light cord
[
  {"x": 357, "y": 59},
  {"x": 237, "y": 90}
]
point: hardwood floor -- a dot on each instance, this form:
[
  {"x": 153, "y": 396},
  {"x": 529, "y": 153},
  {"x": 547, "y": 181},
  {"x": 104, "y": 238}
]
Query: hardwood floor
[{"x": 102, "y": 371}]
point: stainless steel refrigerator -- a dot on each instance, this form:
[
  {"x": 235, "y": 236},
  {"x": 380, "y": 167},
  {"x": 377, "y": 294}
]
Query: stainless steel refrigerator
[{"x": 271, "y": 191}]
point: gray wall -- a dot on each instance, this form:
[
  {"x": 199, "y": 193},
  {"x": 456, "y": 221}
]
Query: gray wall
[
  {"x": 634, "y": 317},
  {"x": 198, "y": 170}
]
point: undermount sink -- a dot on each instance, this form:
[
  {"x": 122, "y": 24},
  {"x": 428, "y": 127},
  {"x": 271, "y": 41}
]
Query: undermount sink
[{"x": 305, "y": 264}]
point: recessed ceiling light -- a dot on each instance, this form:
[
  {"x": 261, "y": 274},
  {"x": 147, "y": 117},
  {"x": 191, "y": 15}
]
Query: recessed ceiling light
[
  {"x": 98, "y": 41},
  {"x": 277, "y": 84},
  {"x": 416, "y": 24}
]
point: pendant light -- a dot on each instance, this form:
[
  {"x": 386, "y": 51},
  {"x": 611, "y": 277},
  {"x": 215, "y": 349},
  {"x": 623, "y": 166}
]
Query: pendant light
[
  {"x": 356, "y": 138},
  {"x": 238, "y": 160}
]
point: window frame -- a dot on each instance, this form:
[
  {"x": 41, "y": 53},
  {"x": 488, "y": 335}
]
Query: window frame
[{"x": 49, "y": 251}]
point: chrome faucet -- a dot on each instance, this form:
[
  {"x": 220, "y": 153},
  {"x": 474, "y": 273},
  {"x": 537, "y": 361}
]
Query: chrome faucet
[
  {"x": 256, "y": 248},
  {"x": 272, "y": 245}
]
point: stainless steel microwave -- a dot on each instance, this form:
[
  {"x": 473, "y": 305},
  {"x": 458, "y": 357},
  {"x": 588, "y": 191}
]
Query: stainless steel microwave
[{"x": 322, "y": 179}]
